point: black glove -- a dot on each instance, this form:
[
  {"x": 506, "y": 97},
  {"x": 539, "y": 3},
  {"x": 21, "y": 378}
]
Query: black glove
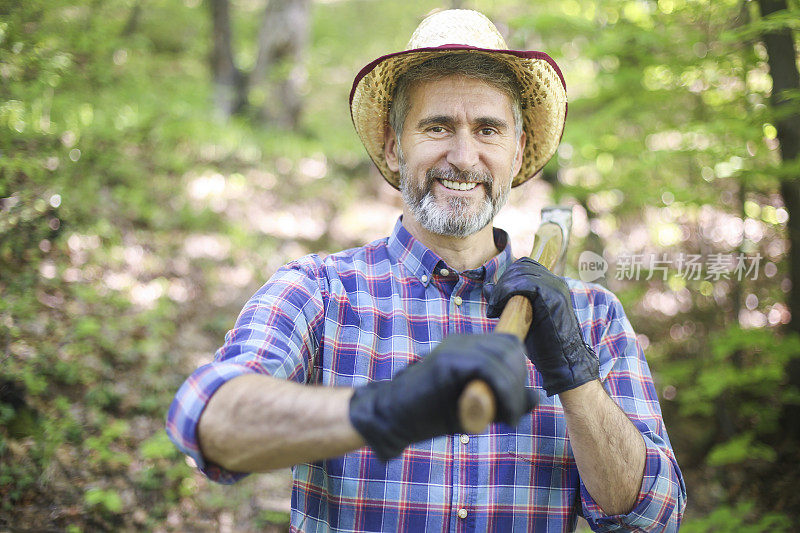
[
  {"x": 421, "y": 401},
  {"x": 554, "y": 342}
]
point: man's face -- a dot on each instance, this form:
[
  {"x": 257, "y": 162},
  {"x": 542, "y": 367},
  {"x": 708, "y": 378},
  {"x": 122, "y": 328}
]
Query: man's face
[{"x": 457, "y": 155}]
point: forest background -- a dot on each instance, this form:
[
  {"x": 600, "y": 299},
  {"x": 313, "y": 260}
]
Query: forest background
[{"x": 160, "y": 159}]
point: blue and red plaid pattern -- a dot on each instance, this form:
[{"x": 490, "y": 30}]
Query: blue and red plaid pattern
[{"x": 363, "y": 314}]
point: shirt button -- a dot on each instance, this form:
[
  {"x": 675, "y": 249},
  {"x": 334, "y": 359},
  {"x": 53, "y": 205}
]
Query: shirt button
[
  {"x": 462, "y": 513},
  {"x": 424, "y": 279},
  {"x": 464, "y": 439},
  {"x": 458, "y": 300},
  {"x": 444, "y": 272}
]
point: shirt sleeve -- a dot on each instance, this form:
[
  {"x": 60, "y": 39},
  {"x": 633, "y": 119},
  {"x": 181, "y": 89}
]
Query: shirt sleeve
[
  {"x": 626, "y": 376},
  {"x": 276, "y": 334}
]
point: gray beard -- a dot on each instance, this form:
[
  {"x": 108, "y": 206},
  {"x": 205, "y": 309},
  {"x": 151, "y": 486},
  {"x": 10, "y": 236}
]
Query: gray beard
[{"x": 456, "y": 218}]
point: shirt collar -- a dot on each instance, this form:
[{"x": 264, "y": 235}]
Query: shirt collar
[{"x": 423, "y": 262}]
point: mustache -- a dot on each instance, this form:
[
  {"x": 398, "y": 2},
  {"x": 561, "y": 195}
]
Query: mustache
[{"x": 465, "y": 176}]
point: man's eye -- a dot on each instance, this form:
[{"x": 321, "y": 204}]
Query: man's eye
[
  {"x": 436, "y": 129},
  {"x": 488, "y": 131}
]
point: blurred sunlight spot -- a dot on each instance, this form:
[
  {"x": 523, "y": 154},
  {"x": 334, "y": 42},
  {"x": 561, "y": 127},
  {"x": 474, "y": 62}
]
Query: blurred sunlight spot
[
  {"x": 134, "y": 256},
  {"x": 676, "y": 282},
  {"x": 68, "y": 139},
  {"x": 751, "y": 301},
  {"x": 178, "y": 290},
  {"x": 752, "y": 319},
  {"x": 47, "y": 269},
  {"x": 644, "y": 340},
  {"x": 313, "y": 168},
  {"x": 753, "y": 229},
  {"x": 605, "y": 162},
  {"x": 662, "y": 302},
  {"x": 666, "y": 6},
  {"x": 51, "y": 163},
  {"x": 55, "y": 200},
  {"x": 74, "y": 154},
  {"x": 120, "y": 57},
  {"x": 668, "y": 234},
  {"x": 238, "y": 276},
  {"x": 604, "y": 226},
  {"x": 118, "y": 281},
  {"x": 770, "y": 269},
  {"x": 205, "y": 186},
  {"x": 145, "y": 295},
  {"x": 605, "y": 201},
  {"x": 364, "y": 221},
  {"x": 571, "y": 8},
  {"x": 752, "y": 209},
  {"x": 78, "y": 243},
  {"x": 670, "y": 392},
  {"x": 72, "y": 275},
  {"x": 706, "y": 288},
  {"x": 665, "y": 140},
  {"x": 211, "y": 246},
  {"x": 777, "y": 248},
  {"x": 769, "y": 215},
  {"x": 779, "y": 314},
  {"x": 581, "y": 224},
  {"x": 86, "y": 114}
]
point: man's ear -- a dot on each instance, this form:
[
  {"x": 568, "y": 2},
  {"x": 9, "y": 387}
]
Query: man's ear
[
  {"x": 520, "y": 152},
  {"x": 390, "y": 149}
]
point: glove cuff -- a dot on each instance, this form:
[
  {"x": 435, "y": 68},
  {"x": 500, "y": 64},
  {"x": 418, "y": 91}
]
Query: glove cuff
[{"x": 365, "y": 415}]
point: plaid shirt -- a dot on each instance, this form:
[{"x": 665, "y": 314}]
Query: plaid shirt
[{"x": 362, "y": 315}]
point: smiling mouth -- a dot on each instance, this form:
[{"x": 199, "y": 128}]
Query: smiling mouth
[{"x": 458, "y": 185}]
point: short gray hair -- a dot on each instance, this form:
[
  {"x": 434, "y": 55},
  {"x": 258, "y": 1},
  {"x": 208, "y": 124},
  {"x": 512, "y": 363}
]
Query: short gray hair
[{"x": 470, "y": 64}]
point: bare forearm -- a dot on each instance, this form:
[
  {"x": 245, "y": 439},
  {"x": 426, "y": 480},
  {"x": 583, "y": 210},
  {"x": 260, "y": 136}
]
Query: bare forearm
[
  {"x": 609, "y": 451},
  {"x": 256, "y": 423}
]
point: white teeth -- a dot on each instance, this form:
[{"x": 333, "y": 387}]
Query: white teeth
[{"x": 458, "y": 185}]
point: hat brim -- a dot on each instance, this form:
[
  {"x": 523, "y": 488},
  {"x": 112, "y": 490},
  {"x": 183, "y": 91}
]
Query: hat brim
[{"x": 543, "y": 100}]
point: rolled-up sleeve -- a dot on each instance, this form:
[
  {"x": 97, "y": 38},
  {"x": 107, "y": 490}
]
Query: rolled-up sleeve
[
  {"x": 626, "y": 377},
  {"x": 276, "y": 334}
]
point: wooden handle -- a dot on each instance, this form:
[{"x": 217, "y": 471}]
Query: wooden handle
[{"x": 476, "y": 406}]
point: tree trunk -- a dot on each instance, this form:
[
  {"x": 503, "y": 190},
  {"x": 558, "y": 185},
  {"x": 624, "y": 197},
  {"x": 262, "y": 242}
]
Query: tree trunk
[
  {"x": 279, "y": 75},
  {"x": 782, "y": 59},
  {"x": 230, "y": 87}
]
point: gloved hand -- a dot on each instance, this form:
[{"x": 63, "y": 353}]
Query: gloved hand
[
  {"x": 554, "y": 342},
  {"x": 421, "y": 401}
]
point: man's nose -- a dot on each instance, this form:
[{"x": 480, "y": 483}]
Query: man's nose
[{"x": 463, "y": 152}]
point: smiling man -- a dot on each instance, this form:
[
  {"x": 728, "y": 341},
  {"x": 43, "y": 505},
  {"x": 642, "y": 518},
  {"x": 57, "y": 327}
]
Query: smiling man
[{"x": 349, "y": 368}]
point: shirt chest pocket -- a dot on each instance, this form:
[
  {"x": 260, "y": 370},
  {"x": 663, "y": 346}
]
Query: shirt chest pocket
[{"x": 540, "y": 438}]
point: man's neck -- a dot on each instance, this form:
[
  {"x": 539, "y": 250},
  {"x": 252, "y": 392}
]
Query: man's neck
[{"x": 460, "y": 253}]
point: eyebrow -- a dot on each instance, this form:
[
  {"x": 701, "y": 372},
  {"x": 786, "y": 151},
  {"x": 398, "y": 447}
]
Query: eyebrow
[{"x": 491, "y": 122}]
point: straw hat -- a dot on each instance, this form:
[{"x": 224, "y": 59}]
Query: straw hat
[{"x": 543, "y": 98}]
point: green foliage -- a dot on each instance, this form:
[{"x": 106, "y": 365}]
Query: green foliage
[
  {"x": 107, "y": 499},
  {"x": 271, "y": 518},
  {"x": 106, "y": 129},
  {"x": 743, "y": 517}
]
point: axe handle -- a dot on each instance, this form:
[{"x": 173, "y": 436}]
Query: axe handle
[{"x": 476, "y": 406}]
